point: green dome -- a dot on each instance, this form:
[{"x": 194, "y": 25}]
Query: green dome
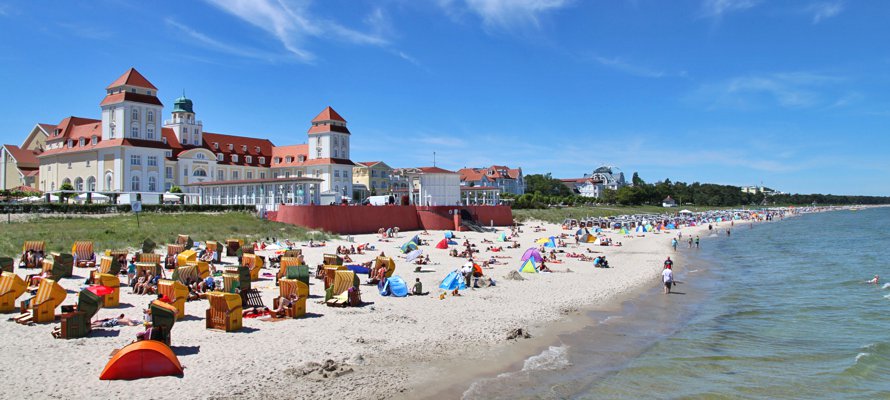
[{"x": 182, "y": 104}]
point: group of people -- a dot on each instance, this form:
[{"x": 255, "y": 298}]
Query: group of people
[{"x": 32, "y": 258}]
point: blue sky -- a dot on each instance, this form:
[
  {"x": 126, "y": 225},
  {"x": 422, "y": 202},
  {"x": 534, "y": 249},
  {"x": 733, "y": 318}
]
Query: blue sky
[{"x": 795, "y": 94}]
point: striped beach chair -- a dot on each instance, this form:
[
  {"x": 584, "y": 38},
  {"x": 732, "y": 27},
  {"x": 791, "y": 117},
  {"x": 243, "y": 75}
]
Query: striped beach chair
[
  {"x": 254, "y": 263},
  {"x": 42, "y": 306},
  {"x": 177, "y": 292},
  {"x": 286, "y": 262},
  {"x": 84, "y": 257},
  {"x": 34, "y": 245},
  {"x": 213, "y": 245},
  {"x": 225, "y": 312},
  {"x": 338, "y": 294},
  {"x": 114, "y": 282},
  {"x": 185, "y": 240},
  {"x": 333, "y": 259},
  {"x": 232, "y": 246},
  {"x": 385, "y": 262},
  {"x": 11, "y": 287},
  {"x": 288, "y": 287}
]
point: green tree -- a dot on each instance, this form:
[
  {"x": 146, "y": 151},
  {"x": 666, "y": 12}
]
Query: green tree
[
  {"x": 64, "y": 187},
  {"x": 636, "y": 180},
  {"x": 546, "y": 184},
  {"x": 175, "y": 189}
]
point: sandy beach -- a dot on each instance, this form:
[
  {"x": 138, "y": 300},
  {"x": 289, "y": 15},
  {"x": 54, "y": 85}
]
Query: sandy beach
[{"x": 389, "y": 347}]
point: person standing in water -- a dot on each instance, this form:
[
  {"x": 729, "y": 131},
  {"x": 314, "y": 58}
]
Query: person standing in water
[
  {"x": 667, "y": 276},
  {"x": 873, "y": 280},
  {"x": 696, "y": 242},
  {"x": 674, "y": 243}
]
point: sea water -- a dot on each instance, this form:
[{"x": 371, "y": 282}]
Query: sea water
[{"x": 777, "y": 311}]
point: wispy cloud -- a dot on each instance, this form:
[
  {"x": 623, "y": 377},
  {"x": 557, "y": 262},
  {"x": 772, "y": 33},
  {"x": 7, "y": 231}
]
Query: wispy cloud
[
  {"x": 86, "y": 31},
  {"x": 790, "y": 90},
  {"x": 824, "y": 10},
  {"x": 624, "y": 66},
  {"x": 217, "y": 45},
  {"x": 291, "y": 23},
  {"x": 718, "y": 8},
  {"x": 505, "y": 14}
]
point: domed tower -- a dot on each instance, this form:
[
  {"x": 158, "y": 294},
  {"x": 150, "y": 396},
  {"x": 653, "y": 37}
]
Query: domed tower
[{"x": 188, "y": 130}]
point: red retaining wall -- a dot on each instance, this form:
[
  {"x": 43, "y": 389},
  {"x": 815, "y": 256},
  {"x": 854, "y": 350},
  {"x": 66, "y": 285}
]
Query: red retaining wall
[{"x": 368, "y": 219}]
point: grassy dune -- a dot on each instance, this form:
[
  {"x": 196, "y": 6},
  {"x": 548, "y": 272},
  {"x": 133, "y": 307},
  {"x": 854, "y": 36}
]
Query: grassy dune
[{"x": 120, "y": 231}]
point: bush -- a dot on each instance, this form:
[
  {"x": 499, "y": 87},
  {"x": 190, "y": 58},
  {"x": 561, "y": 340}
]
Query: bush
[{"x": 62, "y": 208}]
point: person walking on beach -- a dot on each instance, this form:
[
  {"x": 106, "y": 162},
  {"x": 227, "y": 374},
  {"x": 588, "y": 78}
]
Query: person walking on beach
[
  {"x": 696, "y": 242},
  {"x": 668, "y": 263},
  {"x": 727, "y": 232},
  {"x": 667, "y": 276},
  {"x": 690, "y": 242}
]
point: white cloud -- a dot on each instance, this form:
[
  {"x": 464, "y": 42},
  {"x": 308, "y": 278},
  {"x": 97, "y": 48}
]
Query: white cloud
[
  {"x": 718, "y": 8},
  {"x": 619, "y": 64},
  {"x": 505, "y": 14},
  {"x": 218, "y": 45},
  {"x": 790, "y": 90},
  {"x": 291, "y": 23},
  {"x": 824, "y": 10}
]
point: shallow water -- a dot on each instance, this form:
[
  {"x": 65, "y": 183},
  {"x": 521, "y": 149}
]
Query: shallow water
[{"x": 778, "y": 311}]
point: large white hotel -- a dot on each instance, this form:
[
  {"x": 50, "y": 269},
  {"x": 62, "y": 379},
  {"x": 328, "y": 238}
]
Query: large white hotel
[{"x": 133, "y": 150}]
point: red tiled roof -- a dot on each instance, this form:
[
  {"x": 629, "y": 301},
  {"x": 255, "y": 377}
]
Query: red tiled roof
[
  {"x": 435, "y": 170},
  {"x": 328, "y": 114},
  {"x": 69, "y": 125},
  {"x": 29, "y": 172},
  {"x": 293, "y": 151},
  {"x": 265, "y": 148},
  {"x": 22, "y": 157},
  {"x": 130, "y": 96},
  {"x": 132, "y": 78},
  {"x": 328, "y": 128},
  {"x": 26, "y": 189},
  {"x": 514, "y": 173},
  {"x": 368, "y": 163}
]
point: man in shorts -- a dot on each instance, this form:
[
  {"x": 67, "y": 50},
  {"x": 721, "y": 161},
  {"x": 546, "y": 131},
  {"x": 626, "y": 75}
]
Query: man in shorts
[{"x": 667, "y": 276}]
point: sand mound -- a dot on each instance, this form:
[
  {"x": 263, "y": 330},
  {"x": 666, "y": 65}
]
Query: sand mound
[{"x": 514, "y": 276}]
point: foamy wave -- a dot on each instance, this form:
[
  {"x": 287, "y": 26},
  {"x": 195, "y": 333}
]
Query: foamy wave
[
  {"x": 860, "y": 355},
  {"x": 556, "y": 357},
  {"x": 886, "y": 286},
  {"x": 887, "y": 296},
  {"x": 693, "y": 271},
  {"x": 609, "y": 319}
]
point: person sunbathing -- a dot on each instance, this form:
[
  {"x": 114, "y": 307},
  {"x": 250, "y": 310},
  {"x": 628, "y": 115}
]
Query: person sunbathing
[
  {"x": 120, "y": 320},
  {"x": 139, "y": 287},
  {"x": 347, "y": 258},
  {"x": 284, "y": 303},
  {"x": 543, "y": 267}
]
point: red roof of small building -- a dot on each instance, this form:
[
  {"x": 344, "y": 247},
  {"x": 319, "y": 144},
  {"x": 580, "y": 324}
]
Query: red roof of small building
[
  {"x": 255, "y": 148},
  {"x": 132, "y": 78},
  {"x": 368, "y": 164},
  {"x": 435, "y": 170},
  {"x": 22, "y": 156},
  {"x": 48, "y": 127},
  {"x": 328, "y": 114}
]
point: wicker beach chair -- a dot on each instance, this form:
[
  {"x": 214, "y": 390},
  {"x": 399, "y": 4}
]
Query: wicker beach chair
[
  {"x": 213, "y": 245},
  {"x": 7, "y": 264},
  {"x": 176, "y": 292},
  {"x": 34, "y": 245},
  {"x": 77, "y": 319},
  {"x": 84, "y": 256},
  {"x": 290, "y": 287},
  {"x": 333, "y": 259},
  {"x": 385, "y": 262},
  {"x": 163, "y": 317},
  {"x": 11, "y": 287},
  {"x": 232, "y": 247},
  {"x": 225, "y": 311},
  {"x": 185, "y": 241},
  {"x": 286, "y": 262},
  {"x": 344, "y": 290},
  {"x": 111, "y": 281},
  {"x": 42, "y": 306},
  {"x": 254, "y": 263}
]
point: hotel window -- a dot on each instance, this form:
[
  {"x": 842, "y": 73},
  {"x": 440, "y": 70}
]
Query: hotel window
[
  {"x": 256, "y": 149},
  {"x": 151, "y": 114},
  {"x": 287, "y": 174},
  {"x": 220, "y": 175},
  {"x": 135, "y": 160},
  {"x": 135, "y": 131},
  {"x": 185, "y": 131},
  {"x": 88, "y": 163},
  {"x": 152, "y": 184},
  {"x": 262, "y": 175},
  {"x": 231, "y": 147},
  {"x": 70, "y": 143},
  {"x": 216, "y": 146},
  {"x": 94, "y": 140},
  {"x": 168, "y": 153},
  {"x": 150, "y": 133},
  {"x": 336, "y": 173},
  {"x": 262, "y": 160},
  {"x": 234, "y": 175},
  {"x": 302, "y": 158},
  {"x": 135, "y": 115},
  {"x": 289, "y": 159},
  {"x": 248, "y": 159},
  {"x": 169, "y": 172},
  {"x": 82, "y": 142},
  {"x": 165, "y": 141},
  {"x": 134, "y": 184},
  {"x": 185, "y": 172},
  {"x": 299, "y": 174},
  {"x": 197, "y": 141},
  {"x": 336, "y": 153},
  {"x": 152, "y": 161},
  {"x": 168, "y": 186},
  {"x": 199, "y": 156},
  {"x": 249, "y": 175},
  {"x": 111, "y": 111},
  {"x": 219, "y": 157},
  {"x": 234, "y": 158},
  {"x": 244, "y": 147}
]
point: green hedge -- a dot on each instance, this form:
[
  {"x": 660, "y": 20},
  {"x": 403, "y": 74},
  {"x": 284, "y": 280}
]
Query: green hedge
[{"x": 61, "y": 208}]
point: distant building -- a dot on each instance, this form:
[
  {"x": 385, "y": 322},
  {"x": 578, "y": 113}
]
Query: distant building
[
  {"x": 594, "y": 184},
  {"x": 372, "y": 178},
  {"x": 427, "y": 186},
  {"x": 668, "y": 202},
  {"x": 19, "y": 165},
  {"x": 508, "y": 180},
  {"x": 759, "y": 189}
]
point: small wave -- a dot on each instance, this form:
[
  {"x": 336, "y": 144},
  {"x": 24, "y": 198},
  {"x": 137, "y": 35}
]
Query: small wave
[
  {"x": 693, "y": 271},
  {"x": 860, "y": 355},
  {"x": 556, "y": 357},
  {"x": 886, "y": 286},
  {"x": 887, "y": 296},
  {"x": 609, "y": 319}
]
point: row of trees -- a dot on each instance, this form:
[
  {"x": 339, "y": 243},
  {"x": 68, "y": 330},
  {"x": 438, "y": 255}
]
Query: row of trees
[{"x": 544, "y": 190}]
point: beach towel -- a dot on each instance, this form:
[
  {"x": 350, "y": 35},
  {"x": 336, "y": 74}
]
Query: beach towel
[{"x": 358, "y": 269}]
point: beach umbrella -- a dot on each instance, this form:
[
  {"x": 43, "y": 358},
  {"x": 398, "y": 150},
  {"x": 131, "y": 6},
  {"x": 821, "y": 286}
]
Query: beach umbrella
[
  {"x": 533, "y": 254},
  {"x": 413, "y": 255}
]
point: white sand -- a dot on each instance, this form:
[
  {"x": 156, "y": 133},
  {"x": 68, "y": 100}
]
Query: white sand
[{"x": 271, "y": 358}]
